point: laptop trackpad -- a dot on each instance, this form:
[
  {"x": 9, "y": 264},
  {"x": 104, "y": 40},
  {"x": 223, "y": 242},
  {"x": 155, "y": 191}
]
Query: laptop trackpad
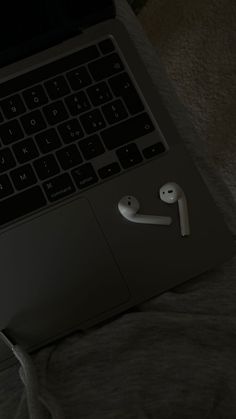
[{"x": 57, "y": 272}]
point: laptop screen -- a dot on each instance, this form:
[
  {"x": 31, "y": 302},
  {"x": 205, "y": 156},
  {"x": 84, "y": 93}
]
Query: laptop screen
[{"x": 29, "y": 26}]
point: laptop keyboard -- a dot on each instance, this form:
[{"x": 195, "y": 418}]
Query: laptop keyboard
[{"x": 57, "y": 120}]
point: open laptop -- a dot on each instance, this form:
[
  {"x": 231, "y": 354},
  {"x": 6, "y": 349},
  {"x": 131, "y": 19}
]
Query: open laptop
[{"x": 81, "y": 126}]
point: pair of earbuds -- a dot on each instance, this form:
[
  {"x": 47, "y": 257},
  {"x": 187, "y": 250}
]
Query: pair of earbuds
[{"x": 170, "y": 193}]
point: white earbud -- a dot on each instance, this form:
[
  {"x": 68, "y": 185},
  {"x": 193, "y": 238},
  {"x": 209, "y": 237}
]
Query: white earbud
[
  {"x": 129, "y": 206},
  {"x": 172, "y": 193}
]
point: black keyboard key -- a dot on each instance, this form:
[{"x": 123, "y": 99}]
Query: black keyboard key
[
  {"x": 109, "y": 170},
  {"x": 5, "y": 189},
  {"x": 48, "y": 141},
  {"x": 92, "y": 121},
  {"x": 129, "y": 156},
  {"x": 25, "y": 150},
  {"x": 1, "y": 117},
  {"x": 55, "y": 113},
  {"x": 21, "y": 204},
  {"x": 50, "y": 70},
  {"x": 69, "y": 157},
  {"x": 12, "y": 106},
  {"x": 35, "y": 97},
  {"x": 91, "y": 147},
  {"x": 46, "y": 167},
  {"x": 7, "y": 160},
  {"x": 33, "y": 122},
  {"x": 122, "y": 85},
  {"x": 59, "y": 187},
  {"x": 99, "y": 94},
  {"x": 23, "y": 177},
  {"x": 106, "y": 46},
  {"x": 57, "y": 87},
  {"x": 11, "y": 132},
  {"x": 79, "y": 78},
  {"x": 77, "y": 103},
  {"x": 70, "y": 131},
  {"x": 84, "y": 176},
  {"x": 127, "y": 131},
  {"x": 105, "y": 67},
  {"x": 114, "y": 111},
  {"x": 153, "y": 150}
]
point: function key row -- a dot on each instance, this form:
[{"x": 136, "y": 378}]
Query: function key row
[
  {"x": 48, "y": 71},
  {"x": 106, "y": 46}
]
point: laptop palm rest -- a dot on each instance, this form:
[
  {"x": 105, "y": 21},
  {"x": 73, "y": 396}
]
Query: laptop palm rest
[{"x": 57, "y": 271}]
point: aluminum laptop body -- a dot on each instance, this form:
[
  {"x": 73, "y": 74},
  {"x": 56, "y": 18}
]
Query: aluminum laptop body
[{"x": 70, "y": 260}]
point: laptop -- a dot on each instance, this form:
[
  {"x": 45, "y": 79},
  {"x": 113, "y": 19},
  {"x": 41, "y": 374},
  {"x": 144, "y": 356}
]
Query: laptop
[{"x": 81, "y": 127}]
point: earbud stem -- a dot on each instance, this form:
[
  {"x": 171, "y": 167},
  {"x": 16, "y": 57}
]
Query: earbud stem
[
  {"x": 150, "y": 219},
  {"x": 184, "y": 217}
]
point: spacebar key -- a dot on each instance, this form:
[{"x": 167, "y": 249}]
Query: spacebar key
[
  {"x": 21, "y": 204},
  {"x": 127, "y": 131}
]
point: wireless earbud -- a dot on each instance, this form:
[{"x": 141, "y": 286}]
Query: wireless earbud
[
  {"x": 129, "y": 207},
  {"x": 172, "y": 193}
]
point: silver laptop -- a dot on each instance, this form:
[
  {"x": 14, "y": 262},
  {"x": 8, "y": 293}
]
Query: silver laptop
[{"x": 101, "y": 206}]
